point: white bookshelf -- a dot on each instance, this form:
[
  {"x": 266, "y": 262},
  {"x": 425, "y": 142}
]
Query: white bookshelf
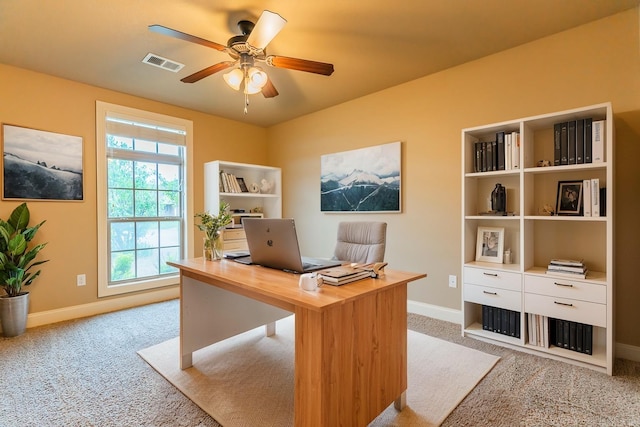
[
  {"x": 535, "y": 238},
  {"x": 270, "y": 203}
]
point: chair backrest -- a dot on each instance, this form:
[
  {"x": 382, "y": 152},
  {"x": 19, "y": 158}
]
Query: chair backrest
[{"x": 361, "y": 241}]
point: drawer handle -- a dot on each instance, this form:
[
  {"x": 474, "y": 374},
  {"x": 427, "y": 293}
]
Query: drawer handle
[
  {"x": 567, "y": 285},
  {"x": 490, "y": 293},
  {"x": 563, "y": 303},
  {"x": 491, "y": 274}
]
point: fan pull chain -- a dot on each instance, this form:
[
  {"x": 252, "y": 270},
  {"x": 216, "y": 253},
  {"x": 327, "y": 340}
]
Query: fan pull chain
[{"x": 246, "y": 102}]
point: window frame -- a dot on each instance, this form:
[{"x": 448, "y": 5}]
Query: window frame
[{"x": 104, "y": 110}]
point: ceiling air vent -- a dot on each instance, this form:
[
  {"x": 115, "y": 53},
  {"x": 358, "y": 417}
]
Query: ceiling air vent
[{"x": 159, "y": 61}]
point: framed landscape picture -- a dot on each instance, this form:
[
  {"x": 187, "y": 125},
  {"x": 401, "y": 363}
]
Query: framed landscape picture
[
  {"x": 362, "y": 180},
  {"x": 40, "y": 165}
]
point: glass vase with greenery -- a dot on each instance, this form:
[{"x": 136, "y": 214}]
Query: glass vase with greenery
[{"x": 212, "y": 225}]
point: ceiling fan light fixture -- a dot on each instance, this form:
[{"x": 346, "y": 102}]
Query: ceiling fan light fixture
[
  {"x": 256, "y": 77},
  {"x": 234, "y": 78}
]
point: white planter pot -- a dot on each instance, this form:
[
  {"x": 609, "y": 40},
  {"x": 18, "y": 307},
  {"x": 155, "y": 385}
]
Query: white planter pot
[{"x": 13, "y": 314}]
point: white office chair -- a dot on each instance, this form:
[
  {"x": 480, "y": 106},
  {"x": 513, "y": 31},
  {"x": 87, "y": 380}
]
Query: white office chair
[{"x": 361, "y": 241}]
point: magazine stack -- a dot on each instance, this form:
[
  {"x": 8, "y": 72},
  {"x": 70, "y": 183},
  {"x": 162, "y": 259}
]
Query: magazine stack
[{"x": 571, "y": 269}]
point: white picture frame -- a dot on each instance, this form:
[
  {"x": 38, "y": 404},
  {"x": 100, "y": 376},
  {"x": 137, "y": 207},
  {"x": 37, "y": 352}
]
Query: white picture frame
[{"x": 490, "y": 244}]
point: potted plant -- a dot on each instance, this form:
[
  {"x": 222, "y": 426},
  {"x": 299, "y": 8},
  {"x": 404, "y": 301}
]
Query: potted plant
[
  {"x": 16, "y": 261},
  {"x": 212, "y": 226}
]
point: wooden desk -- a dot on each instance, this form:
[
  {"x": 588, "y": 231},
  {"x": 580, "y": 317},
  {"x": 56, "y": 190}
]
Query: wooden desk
[{"x": 350, "y": 341}]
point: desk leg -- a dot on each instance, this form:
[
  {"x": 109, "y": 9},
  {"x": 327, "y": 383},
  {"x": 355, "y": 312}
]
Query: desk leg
[
  {"x": 401, "y": 401},
  {"x": 270, "y": 329}
]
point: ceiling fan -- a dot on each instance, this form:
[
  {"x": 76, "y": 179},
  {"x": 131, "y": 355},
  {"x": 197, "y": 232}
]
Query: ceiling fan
[{"x": 246, "y": 50}]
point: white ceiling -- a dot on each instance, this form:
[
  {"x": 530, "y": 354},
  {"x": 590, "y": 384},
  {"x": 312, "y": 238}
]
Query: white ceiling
[{"x": 373, "y": 44}]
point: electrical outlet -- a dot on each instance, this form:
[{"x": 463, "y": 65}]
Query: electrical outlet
[
  {"x": 81, "y": 280},
  {"x": 453, "y": 281}
]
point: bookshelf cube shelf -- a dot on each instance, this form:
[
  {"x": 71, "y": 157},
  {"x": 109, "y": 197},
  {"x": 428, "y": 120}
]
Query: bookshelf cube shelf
[
  {"x": 535, "y": 236},
  {"x": 269, "y": 203}
]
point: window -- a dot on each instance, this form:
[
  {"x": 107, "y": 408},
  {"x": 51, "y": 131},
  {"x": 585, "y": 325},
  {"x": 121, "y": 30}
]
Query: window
[{"x": 144, "y": 213}]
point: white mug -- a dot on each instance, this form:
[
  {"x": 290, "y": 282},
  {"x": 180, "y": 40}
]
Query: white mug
[{"x": 310, "y": 281}]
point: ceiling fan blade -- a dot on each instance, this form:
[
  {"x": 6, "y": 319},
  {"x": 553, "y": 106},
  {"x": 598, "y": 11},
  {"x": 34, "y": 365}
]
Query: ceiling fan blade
[
  {"x": 187, "y": 37},
  {"x": 268, "y": 26},
  {"x": 269, "y": 90},
  {"x": 207, "y": 72},
  {"x": 300, "y": 65}
]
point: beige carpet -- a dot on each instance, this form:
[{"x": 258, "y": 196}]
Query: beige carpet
[{"x": 247, "y": 380}]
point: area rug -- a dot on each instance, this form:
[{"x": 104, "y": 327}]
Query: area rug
[{"x": 247, "y": 380}]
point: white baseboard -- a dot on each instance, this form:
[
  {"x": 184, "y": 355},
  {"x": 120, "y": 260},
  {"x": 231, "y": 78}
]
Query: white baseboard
[
  {"x": 623, "y": 351},
  {"x": 629, "y": 352},
  {"x": 100, "y": 307},
  {"x": 435, "y": 311}
]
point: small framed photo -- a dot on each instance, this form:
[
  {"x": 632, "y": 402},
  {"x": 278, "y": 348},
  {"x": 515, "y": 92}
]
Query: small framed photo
[
  {"x": 243, "y": 185},
  {"x": 490, "y": 244},
  {"x": 569, "y": 200}
]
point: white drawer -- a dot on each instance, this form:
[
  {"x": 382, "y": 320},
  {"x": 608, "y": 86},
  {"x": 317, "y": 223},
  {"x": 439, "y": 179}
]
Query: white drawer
[
  {"x": 235, "y": 245},
  {"x": 564, "y": 288},
  {"x": 494, "y": 278},
  {"x": 234, "y": 234},
  {"x": 495, "y": 297},
  {"x": 567, "y": 309}
]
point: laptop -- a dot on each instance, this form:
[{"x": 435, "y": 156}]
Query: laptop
[{"x": 273, "y": 243}]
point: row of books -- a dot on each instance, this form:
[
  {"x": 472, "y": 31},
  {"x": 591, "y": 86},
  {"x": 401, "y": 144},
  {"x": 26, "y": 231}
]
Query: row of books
[
  {"x": 501, "y": 154},
  {"x": 571, "y": 269},
  {"x": 578, "y": 141},
  {"x": 593, "y": 198},
  {"x": 501, "y": 320},
  {"x": 229, "y": 183},
  {"x": 538, "y": 330},
  {"x": 571, "y": 335}
]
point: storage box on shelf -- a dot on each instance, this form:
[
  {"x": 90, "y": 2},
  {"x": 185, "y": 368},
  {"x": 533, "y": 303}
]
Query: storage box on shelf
[
  {"x": 535, "y": 235},
  {"x": 262, "y": 198}
]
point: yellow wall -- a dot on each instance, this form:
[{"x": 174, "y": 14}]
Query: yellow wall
[
  {"x": 43, "y": 102},
  {"x": 591, "y": 64},
  {"x": 594, "y": 63}
]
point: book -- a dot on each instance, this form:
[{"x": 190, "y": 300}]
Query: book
[
  {"x": 343, "y": 274},
  {"x": 567, "y": 262},
  {"x": 500, "y": 151},
  {"x": 587, "y": 340},
  {"x": 557, "y": 151},
  {"x": 567, "y": 269},
  {"x": 571, "y": 142},
  {"x": 595, "y": 197},
  {"x": 489, "y": 155},
  {"x": 580, "y": 141},
  {"x": 603, "y": 201},
  {"x": 564, "y": 143},
  {"x": 484, "y": 156},
  {"x": 508, "y": 152},
  {"x": 478, "y": 155},
  {"x": 567, "y": 274},
  {"x": 341, "y": 271},
  {"x": 344, "y": 280},
  {"x": 515, "y": 150},
  {"x": 586, "y": 197},
  {"x": 587, "y": 140},
  {"x": 597, "y": 140}
]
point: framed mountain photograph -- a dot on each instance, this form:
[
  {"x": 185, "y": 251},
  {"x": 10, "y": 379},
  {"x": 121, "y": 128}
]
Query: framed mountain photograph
[
  {"x": 362, "y": 180},
  {"x": 40, "y": 165}
]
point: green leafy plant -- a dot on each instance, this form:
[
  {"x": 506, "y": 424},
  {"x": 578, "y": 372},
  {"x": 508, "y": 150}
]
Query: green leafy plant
[
  {"x": 16, "y": 258},
  {"x": 211, "y": 224}
]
